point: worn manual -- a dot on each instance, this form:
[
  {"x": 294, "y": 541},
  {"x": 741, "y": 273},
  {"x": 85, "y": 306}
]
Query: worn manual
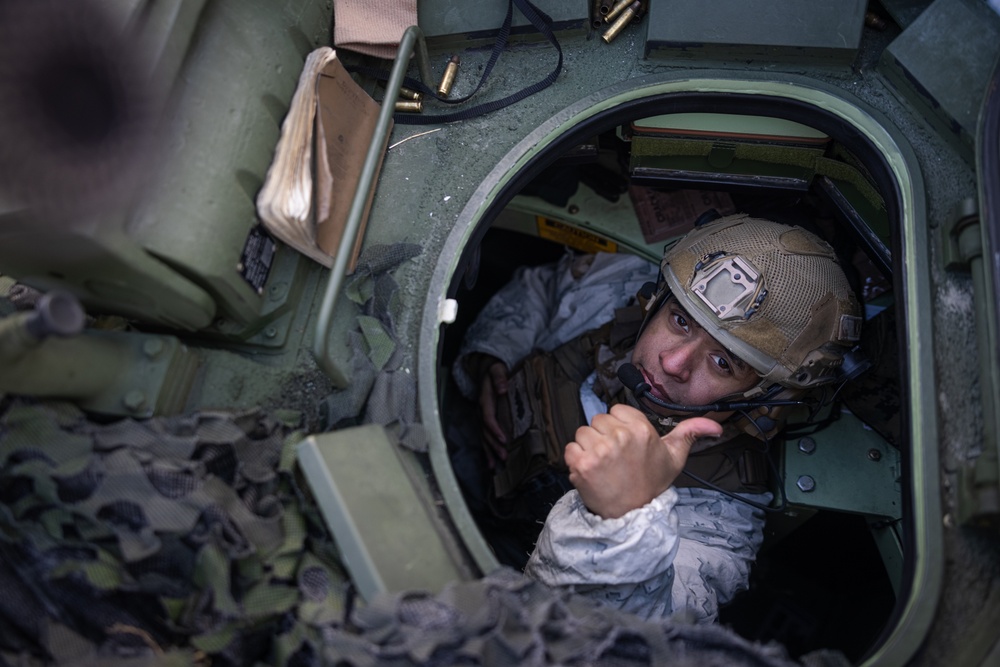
[{"x": 312, "y": 180}]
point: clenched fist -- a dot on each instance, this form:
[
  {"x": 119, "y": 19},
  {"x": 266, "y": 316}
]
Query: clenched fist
[{"x": 620, "y": 462}]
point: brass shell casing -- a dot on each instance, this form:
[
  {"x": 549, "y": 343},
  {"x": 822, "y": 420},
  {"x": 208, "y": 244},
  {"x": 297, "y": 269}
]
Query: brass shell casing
[
  {"x": 597, "y": 11},
  {"x": 410, "y": 94},
  {"x": 449, "y": 77},
  {"x": 623, "y": 20},
  {"x": 410, "y": 106},
  {"x": 617, "y": 9}
]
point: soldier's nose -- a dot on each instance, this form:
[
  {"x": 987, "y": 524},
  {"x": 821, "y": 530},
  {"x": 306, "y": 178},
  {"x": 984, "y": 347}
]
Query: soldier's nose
[{"x": 677, "y": 362}]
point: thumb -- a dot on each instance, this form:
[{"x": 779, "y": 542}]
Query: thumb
[{"x": 683, "y": 436}]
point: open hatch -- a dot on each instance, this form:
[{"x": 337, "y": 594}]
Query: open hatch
[{"x": 632, "y": 170}]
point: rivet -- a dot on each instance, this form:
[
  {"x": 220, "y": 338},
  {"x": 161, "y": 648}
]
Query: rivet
[
  {"x": 277, "y": 291},
  {"x": 874, "y": 455}
]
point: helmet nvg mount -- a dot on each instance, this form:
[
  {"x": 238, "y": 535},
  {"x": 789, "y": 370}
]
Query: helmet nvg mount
[{"x": 771, "y": 294}]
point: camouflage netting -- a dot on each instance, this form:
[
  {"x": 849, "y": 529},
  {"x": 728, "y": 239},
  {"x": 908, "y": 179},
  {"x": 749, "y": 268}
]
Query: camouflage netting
[
  {"x": 127, "y": 539},
  {"x": 380, "y": 390},
  {"x": 189, "y": 540}
]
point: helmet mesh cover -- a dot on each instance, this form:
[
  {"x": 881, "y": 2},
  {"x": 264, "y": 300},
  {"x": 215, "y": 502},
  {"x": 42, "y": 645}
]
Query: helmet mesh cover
[{"x": 807, "y": 295}]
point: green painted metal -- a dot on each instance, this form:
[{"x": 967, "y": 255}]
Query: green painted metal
[
  {"x": 167, "y": 31},
  {"x": 822, "y": 34},
  {"x": 890, "y": 547},
  {"x": 288, "y": 281},
  {"x": 905, "y": 12},
  {"x": 851, "y": 469},
  {"x": 171, "y": 256},
  {"x": 672, "y": 160},
  {"x": 924, "y": 587},
  {"x": 436, "y": 189},
  {"x": 940, "y": 60},
  {"x": 446, "y": 24},
  {"x": 198, "y": 218},
  {"x": 105, "y": 372},
  {"x": 973, "y": 241},
  {"x": 103, "y": 267},
  {"x": 588, "y": 211},
  {"x": 389, "y": 535}
]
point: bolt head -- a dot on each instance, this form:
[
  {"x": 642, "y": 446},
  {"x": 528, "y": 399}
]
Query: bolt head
[
  {"x": 134, "y": 400},
  {"x": 152, "y": 347},
  {"x": 874, "y": 455},
  {"x": 806, "y": 484},
  {"x": 807, "y": 445}
]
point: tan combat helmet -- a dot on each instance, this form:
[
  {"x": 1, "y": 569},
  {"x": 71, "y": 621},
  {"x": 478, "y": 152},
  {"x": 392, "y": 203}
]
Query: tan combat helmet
[{"x": 771, "y": 294}]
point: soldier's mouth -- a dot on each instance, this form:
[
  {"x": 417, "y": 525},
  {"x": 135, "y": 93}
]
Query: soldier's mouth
[{"x": 656, "y": 389}]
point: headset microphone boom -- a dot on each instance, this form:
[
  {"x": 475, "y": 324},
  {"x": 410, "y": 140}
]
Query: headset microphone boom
[{"x": 631, "y": 377}]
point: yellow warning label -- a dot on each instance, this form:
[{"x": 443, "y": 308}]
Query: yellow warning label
[{"x": 576, "y": 238}]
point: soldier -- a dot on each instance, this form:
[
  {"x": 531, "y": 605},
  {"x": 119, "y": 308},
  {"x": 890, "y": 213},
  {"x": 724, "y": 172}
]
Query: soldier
[{"x": 653, "y": 511}]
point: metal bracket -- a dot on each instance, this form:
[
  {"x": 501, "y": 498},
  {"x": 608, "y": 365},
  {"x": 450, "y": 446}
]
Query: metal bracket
[
  {"x": 961, "y": 240},
  {"x": 979, "y": 480},
  {"x": 389, "y": 535}
]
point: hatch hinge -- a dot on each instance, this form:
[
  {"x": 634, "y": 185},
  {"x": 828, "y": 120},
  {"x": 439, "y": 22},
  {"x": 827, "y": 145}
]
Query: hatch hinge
[{"x": 979, "y": 478}]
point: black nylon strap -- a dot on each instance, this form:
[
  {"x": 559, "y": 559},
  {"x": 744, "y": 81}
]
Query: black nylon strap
[{"x": 539, "y": 19}]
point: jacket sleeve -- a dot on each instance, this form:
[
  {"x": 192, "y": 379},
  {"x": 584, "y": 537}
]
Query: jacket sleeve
[
  {"x": 688, "y": 550},
  {"x": 544, "y": 306},
  {"x": 719, "y": 541},
  {"x": 625, "y": 562}
]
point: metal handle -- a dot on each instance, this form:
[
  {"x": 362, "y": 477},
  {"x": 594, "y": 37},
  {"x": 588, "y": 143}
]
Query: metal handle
[{"x": 412, "y": 37}]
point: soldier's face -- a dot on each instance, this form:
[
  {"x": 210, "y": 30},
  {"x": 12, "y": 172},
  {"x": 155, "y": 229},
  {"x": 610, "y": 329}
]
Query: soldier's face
[{"x": 683, "y": 364}]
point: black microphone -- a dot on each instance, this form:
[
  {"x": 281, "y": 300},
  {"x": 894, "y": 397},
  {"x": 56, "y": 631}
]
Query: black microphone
[{"x": 631, "y": 377}]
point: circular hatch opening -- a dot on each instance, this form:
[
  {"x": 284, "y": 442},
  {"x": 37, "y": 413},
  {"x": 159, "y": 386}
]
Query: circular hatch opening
[{"x": 598, "y": 177}]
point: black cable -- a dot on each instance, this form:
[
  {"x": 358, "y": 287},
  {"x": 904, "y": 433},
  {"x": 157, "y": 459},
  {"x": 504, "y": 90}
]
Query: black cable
[
  {"x": 539, "y": 19},
  {"x": 774, "y": 470}
]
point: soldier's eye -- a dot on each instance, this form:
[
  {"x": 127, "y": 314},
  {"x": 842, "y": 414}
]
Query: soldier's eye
[{"x": 722, "y": 363}]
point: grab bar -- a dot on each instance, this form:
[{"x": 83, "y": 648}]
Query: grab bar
[{"x": 412, "y": 37}]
